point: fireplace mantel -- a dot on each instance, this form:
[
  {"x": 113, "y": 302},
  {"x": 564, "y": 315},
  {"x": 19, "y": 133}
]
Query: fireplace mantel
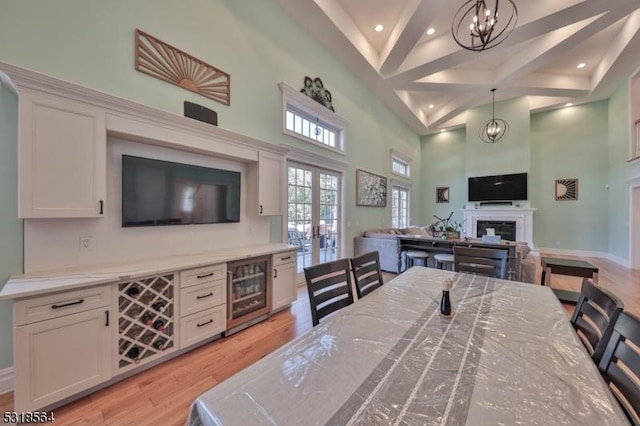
[{"x": 523, "y": 217}]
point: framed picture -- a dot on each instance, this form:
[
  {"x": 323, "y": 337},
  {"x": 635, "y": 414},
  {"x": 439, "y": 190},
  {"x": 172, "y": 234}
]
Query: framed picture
[
  {"x": 371, "y": 189},
  {"x": 566, "y": 189},
  {"x": 442, "y": 194}
]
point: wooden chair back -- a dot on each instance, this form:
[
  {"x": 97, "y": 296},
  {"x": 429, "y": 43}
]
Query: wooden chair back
[
  {"x": 595, "y": 316},
  {"x": 329, "y": 287},
  {"x": 481, "y": 261},
  {"x": 620, "y": 364},
  {"x": 367, "y": 273}
]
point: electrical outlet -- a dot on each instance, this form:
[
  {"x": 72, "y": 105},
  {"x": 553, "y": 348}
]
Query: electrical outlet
[{"x": 86, "y": 243}]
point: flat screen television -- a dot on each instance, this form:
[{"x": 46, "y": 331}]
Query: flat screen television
[
  {"x": 156, "y": 192},
  {"x": 512, "y": 187}
]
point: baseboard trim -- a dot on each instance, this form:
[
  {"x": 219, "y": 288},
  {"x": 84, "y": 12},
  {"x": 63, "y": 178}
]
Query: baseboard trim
[
  {"x": 6, "y": 380},
  {"x": 585, "y": 253}
]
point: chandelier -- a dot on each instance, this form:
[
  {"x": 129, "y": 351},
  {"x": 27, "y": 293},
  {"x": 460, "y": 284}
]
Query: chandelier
[
  {"x": 485, "y": 29},
  {"x": 493, "y": 130}
]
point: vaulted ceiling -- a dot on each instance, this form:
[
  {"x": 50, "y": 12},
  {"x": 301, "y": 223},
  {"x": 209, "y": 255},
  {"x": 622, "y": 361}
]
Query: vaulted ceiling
[{"x": 430, "y": 81}]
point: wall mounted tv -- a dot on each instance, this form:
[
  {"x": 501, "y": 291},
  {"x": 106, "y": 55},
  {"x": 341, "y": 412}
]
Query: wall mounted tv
[
  {"x": 156, "y": 192},
  {"x": 511, "y": 187}
]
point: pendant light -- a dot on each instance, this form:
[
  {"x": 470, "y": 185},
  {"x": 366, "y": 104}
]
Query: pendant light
[
  {"x": 476, "y": 25},
  {"x": 493, "y": 130}
]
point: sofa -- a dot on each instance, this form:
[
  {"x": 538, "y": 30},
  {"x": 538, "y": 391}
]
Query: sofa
[{"x": 384, "y": 241}]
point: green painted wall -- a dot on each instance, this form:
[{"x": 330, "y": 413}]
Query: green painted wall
[
  {"x": 91, "y": 43},
  {"x": 570, "y": 143},
  {"x": 443, "y": 155},
  {"x": 10, "y": 226}
]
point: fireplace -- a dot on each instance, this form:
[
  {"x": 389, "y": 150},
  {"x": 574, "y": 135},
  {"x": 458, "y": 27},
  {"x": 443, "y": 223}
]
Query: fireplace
[
  {"x": 522, "y": 217},
  {"x": 504, "y": 228}
]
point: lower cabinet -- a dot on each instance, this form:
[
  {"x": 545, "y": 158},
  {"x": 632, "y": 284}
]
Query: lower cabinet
[
  {"x": 284, "y": 279},
  {"x": 60, "y": 357}
]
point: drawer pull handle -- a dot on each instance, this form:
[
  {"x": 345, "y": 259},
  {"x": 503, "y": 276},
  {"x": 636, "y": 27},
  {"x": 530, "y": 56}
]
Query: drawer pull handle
[
  {"x": 210, "y": 274},
  {"x": 206, "y": 295},
  {"x": 77, "y": 302},
  {"x": 106, "y": 314},
  {"x": 285, "y": 258},
  {"x": 204, "y": 323},
  {"x": 275, "y": 272}
]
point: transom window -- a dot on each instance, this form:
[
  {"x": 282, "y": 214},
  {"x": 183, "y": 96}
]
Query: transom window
[
  {"x": 306, "y": 119},
  {"x": 400, "y": 164}
]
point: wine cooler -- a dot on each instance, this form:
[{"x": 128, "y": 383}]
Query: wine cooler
[
  {"x": 145, "y": 318},
  {"x": 248, "y": 292}
]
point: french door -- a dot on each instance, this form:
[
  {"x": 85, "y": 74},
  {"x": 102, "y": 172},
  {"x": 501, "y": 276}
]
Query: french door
[{"x": 313, "y": 214}]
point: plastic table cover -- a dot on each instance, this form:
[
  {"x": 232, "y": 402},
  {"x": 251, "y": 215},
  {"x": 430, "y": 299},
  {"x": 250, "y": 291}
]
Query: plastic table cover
[{"x": 508, "y": 355}]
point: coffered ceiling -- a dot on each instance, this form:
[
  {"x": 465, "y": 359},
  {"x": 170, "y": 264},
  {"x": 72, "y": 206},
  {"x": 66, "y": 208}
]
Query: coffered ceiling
[{"x": 429, "y": 81}]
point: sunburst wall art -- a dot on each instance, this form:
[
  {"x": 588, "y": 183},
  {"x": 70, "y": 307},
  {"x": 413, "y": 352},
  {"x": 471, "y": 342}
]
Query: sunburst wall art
[
  {"x": 566, "y": 189},
  {"x": 161, "y": 60}
]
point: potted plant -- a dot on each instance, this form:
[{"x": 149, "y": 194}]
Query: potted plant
[{"x": 446, "y": 228}]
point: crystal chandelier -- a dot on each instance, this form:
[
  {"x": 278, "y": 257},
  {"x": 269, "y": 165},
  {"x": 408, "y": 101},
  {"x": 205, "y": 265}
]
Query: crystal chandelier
[
  {"x": 493, "y": 130},
  {"x": 485, "y": 29}
]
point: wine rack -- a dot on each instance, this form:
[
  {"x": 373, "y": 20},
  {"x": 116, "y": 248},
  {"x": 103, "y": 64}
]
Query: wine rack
[{"x": 145, "y": 318}]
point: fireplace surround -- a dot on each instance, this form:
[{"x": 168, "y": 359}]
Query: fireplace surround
[{"x": 523, "y": 218}]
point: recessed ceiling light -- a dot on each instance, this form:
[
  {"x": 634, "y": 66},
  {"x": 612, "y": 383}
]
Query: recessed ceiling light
[
  {"x": 379, "y": 27},
  {"x": 581, "y": 65},
  {"x": 568, "y": 104},
  {"x": 431, "y": 106},
  {"x": 443, "y": 130},
  {"x": 431, "y": 31}
]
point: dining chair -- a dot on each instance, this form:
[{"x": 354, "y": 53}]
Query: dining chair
[
  {"x": 595, "y": 316},
  {"x": 329, "y": 287},
  {"x": 366, "y": 273},
  {"x": 481, "y": 261},
  {"x": 620, "y": 364}
]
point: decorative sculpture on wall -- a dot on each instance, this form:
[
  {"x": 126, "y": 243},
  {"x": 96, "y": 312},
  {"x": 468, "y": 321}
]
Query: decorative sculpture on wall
[
  {"x": 314, "y": 88},
  {"x": 161, "y": 60},
  {"x": 566, "y": 189}
]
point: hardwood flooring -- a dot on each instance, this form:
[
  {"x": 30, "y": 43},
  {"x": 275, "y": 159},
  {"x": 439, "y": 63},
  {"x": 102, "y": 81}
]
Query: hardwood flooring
[{"x": 163, "y": 394}]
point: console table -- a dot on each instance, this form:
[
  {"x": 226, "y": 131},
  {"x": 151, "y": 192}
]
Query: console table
[{"x": 429, "y": 244}]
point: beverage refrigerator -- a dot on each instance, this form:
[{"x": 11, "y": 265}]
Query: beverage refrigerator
[{"x": 248, "y": 292}]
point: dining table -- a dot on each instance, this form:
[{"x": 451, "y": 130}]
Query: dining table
[{"x": 506, "y": 355}]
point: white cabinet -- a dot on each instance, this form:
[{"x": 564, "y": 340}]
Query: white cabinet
[
  {"x": 266, "y": 187},
  {"x": 62, "y": 157},
  {"x": 66, "y": 353},
  {"x": 284, "y": 279}
]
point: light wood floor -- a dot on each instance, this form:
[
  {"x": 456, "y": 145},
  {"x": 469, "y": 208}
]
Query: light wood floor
[{"x": 162, "y": 395}]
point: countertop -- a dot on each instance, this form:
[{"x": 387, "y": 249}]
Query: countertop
[{"x": 39, "y": 283}]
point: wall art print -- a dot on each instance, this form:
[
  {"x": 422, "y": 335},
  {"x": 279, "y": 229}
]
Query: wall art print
[
  {"x": 371, "y": 189},
  {"x": 442, "y": 194},
  {"x": 566, "y": 189}
]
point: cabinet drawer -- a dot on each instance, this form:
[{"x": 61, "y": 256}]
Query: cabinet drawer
[
  {"x": 286, "y": 257},
  {"x": 201, "y": 275},
  {"x": 197, "y": 327},
  {"x": 202, "y": 296},
  {"x": 42, "y": 308}
]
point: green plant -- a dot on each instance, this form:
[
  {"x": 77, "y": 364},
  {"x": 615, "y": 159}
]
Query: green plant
[{"x": 446, "y": 224}]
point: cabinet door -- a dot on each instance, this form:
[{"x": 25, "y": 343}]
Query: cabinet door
[
  {"x": 266, "y": 185},
  {"x": 284, "y": 285},
  {"x": 60, "y": 357},
  {"x": 62, "y": 157}
]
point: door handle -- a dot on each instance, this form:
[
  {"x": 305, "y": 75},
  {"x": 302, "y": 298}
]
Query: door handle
[
  {"x": 106, "y": 315},
  {"x": 275, "y": 273}
]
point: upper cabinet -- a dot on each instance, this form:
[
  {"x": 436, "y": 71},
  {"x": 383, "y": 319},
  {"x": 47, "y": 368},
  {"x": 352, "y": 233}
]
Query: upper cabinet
[
  {"x": 62, "y": 157},
  {"x": 265, "y": 185}
]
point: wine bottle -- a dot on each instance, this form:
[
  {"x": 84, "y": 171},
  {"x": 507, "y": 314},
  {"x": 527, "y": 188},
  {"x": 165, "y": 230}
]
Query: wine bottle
[
  {"x": 133, "y": 291},
  {"x": 160, "y": 344},
  {"x": 147, "y": 318},
  {"x": 159, "y": 325},
  {"x": 159, "y": 306},
  {"x": 133, "y": 353},
  {"x": 445, "y": 303}
]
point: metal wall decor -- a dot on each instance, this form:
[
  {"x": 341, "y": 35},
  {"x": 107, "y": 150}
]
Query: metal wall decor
[
  {"x": 371, "y": 189},
  {"x": 314, "y": 88},
  {"x": 493, "y": 130},
  {"x": 476, "y": 25},
  {"x": 566, "y": 189},
  {"x": 442, "y": 194},
  {"x": 161, "y": 60}
]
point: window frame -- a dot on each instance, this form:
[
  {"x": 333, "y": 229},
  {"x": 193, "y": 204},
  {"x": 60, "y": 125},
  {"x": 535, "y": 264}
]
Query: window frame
[
  {"x": 398, "y": 157},
  {"x": 300, "y": 105},
  {"x": 401, "y": 186}
]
